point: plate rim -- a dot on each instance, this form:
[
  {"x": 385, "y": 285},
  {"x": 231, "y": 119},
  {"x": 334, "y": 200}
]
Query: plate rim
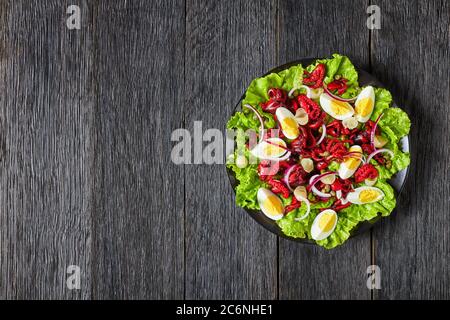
[{"x": 363, "y": 226}]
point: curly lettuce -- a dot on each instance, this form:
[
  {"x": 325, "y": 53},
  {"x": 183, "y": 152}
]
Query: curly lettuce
[
  {"x": 394, "y": 125},
  {"x": 348, "y": 218}
]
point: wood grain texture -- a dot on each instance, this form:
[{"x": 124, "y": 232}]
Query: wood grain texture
[
  {"x": 46, "y": 151},
  {"x": 319, "y": 29},
  {"x": 228, "y": 256},
  {"x": 85, "y": 124},
  {"x": 412, "y": 248},
  {"x": 138, "y": 213}
]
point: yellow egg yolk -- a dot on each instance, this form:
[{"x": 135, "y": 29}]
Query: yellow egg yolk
[
  {"x": 290, "y": 127},
  {"x": 368, "y": 195},
  {"x": 352, "y": 163},
  {"x": 273, "y": 205},
  {"x": 364, "y": 107},
  {"x": 326, "y": 222},
  {"x": 340, "y": 108},
  {"x": 272, "y": 150},
  {"x": 355, "y": 160}
]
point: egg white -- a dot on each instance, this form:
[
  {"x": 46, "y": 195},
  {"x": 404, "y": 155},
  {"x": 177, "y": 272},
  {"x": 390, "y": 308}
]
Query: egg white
[
  {"x": 270, "y": 204},
  {"x": 288, "y": 123},
  {"x": 261, "y": 149},
  {"x": 317, "y": 231},
  {"x": 345, "y": 171},
  {"x": 354, "y": 196},
  {"x": 366, "y": 96},
  {"x": 337, "y": 109}
]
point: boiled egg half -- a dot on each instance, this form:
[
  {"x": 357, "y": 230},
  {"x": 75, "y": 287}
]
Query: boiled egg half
[
  {"x": 364, "y": 104},
  {"x": 363, "y": 195},
  {"x": 349, "y": 166},
  {"x": 324, "y": 224},
  {"x": 288, "y": 123},
  {"x": 270, "y": 204},
  {"x": 339, "y": 110},
  {"x": 270, "y": 149}
]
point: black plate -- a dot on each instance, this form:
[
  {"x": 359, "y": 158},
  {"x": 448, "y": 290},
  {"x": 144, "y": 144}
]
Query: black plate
[{"x": 397, "y": 181}]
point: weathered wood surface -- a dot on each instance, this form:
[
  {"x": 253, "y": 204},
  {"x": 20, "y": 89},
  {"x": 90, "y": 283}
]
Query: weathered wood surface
[
  {"x": 227, "y": 254},
  {"x": 85, "y": 172},
  {"x": 411, "y": 55},
  {"x": 46, "y": 107},
  {"x": 138, "y": 218}
]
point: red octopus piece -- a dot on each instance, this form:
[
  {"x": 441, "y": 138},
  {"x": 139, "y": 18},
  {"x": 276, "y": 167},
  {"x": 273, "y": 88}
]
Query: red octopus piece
[
  {"x": 279, "y": 187},
  {"x": 337, "y": 206},
  {"x": 298, "y": 176},
  {"x": 321, "y": 165},
  {"x": 315, "y": 78},
  {"x": 366, "y": 171},
  {"x": 295, "y": 204},
  {"x": 303, "y": 142},
  {"x": 277, "y": 94},
  {"x": 267, "y": 169},
  {"x": 334, "y": 128},
  {"x": 277, "y": 98},
  {"x": 337, "y": 149},
  {"x": 339, "y": 84},
  {"x": 343, "y": 185},
  {"x": 312, "y": 108}
]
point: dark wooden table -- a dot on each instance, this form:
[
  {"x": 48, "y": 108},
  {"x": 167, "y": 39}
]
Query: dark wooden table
[{"x": 86, "y": 118}]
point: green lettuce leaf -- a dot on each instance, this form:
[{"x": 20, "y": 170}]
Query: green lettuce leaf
[
  {"x": 400, "y": 160},
  {"x": 383, "y": 100},
  {"x": 394, "y": 125},
  {"x": 292, "y": 77},
  {"x": 397, "y": 120},
  {"x": 301, "y": 229},
  {"x": 257, "y": 93},
  {"x": 348, "y": 218},
  {"x": 249, "y": 184}
]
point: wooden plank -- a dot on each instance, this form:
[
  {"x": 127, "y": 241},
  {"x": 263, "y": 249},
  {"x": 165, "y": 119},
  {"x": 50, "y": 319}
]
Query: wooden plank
[
  {"x": 138, "y": 222},
  {"x": 46, "y": 152},
  {"x": 317, "y": 29},
  {"x": 411, "y": 55},
  {"x": 227, "y": 254}
]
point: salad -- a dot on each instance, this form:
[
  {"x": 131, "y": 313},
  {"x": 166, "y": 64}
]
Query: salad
[{"x": 322, "y": 152}]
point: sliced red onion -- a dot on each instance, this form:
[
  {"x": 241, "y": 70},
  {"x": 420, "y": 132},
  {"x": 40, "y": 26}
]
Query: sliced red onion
[
  {"x": 308, "y": 208},
  {"x": 324, "y": 134},
  {"x": 363, "y": 159},
  {"x": 261, "y": 122},
  {"x": 337, "y": 97},
  {"x": 313, "y": 178},
  {"x": 377, "y": 152},
  {"x": 287, "y": 174},
  {"x": 284, "y": 157},
  {"x": 339, "y": 197},
  {"x": 374, "y": 129},
  {"x": 320, "y": 193},
  {"x": 308, "y": 91},
  {"x": 290, "y": 94},
  {"x": 316, "y": 178}
]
